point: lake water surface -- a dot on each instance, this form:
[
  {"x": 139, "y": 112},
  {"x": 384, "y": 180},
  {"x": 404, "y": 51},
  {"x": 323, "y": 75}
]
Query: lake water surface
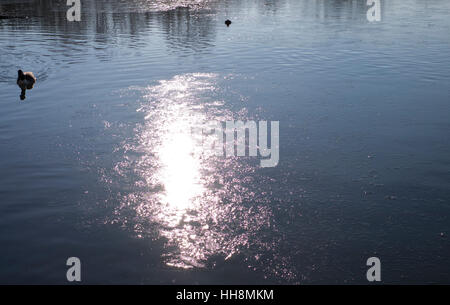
[{"x": 98, "y": 161}]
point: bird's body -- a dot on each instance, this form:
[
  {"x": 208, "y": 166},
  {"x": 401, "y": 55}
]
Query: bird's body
[
  {"x": 228, "y": 22},
  {"x": 26, "y": 80}
]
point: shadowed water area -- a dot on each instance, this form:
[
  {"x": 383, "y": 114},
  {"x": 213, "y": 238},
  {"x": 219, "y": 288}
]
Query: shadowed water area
[{"x": 99, "y": 162}]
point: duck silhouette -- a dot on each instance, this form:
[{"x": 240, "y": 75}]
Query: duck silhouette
[
  {"x": 25, "y": 80},
  {"x": 228, "y": 22}
]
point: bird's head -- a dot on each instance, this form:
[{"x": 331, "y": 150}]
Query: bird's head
[{"x": 20, "y": 74}]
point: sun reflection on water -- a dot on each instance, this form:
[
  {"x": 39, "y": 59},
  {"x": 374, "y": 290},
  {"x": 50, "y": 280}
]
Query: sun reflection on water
[
  {"x": 179, "y": 172},
  {"x": 200, "y": 205}
]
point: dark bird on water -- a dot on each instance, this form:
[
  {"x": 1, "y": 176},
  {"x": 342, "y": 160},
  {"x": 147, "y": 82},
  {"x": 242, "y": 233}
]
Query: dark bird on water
[
  {"x": 228, "y": 22},
  {"x": 25, "y": 80}
]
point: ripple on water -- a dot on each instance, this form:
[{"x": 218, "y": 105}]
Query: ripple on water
[{"x": 163, "y": 5}]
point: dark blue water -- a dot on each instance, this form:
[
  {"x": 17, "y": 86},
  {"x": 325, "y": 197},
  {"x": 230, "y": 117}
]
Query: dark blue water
[{"x": 97, "y": 162}]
